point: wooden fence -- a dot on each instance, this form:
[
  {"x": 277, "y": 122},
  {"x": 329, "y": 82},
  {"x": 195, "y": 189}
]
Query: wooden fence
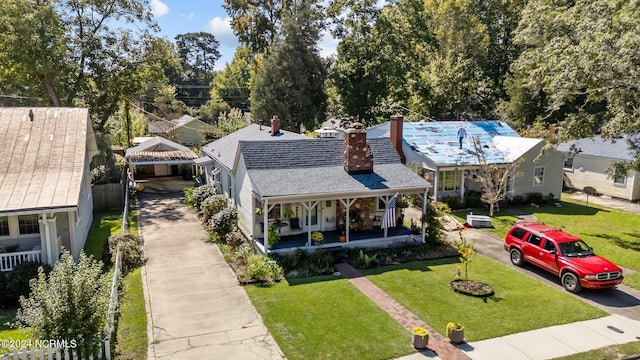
[
  {"x": 53, "y": 350},
  {"x": 108, "y": 196}
]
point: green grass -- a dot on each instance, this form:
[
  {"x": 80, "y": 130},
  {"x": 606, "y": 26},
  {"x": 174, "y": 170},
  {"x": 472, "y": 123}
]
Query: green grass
[
  {"x": 132, "y": 325},
  {"x": 8, "y": 333},
  {"x": 520, "y": 302},
  {"x": 326, "y": 317},
  {"x": 104, "y": 224},
  {"x": 609, "y": 352},
  {"x": 612, "y": 233}
]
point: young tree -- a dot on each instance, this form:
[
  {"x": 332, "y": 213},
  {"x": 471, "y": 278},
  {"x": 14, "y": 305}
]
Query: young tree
[
  {"x": 71, "y": 303},
  {"x": 494, "y": 178}
]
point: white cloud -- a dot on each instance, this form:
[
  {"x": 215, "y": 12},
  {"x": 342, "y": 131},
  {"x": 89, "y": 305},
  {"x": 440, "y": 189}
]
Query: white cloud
[
  {"x": 158, "y": 8},
  {"x": 221, "y": 29},
  {"x": 191, "y": 16}
]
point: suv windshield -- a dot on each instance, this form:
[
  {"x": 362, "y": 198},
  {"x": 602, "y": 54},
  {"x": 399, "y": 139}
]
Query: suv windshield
[{"x": 575, "y": 249}]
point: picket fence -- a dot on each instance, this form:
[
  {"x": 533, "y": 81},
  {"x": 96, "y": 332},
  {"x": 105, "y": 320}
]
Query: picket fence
[{"x": 50, "y": 353}]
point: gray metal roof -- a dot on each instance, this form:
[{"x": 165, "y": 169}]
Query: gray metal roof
[
  {"x": 224, "y": 150},
  {"x": 42, "y": 161},
  {"x": 596, "y": 146},
  {"x": 165, "y": 126},
  {"x": 315, "y": 167}
]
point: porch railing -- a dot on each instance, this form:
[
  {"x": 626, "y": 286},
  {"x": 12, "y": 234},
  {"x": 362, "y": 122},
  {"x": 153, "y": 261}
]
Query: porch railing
[{"x": 8, "y": 261}]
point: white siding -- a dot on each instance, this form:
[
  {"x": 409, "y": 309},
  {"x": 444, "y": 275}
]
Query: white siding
[
  {"x": 246, "y": 217},
  {"x": 552, "y": 161},
  {"x": 591, "y": 171}
]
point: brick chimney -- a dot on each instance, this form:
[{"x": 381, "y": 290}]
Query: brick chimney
[
  {"x": 275, "y": 125},
  {"x": 396, "y": 136},
  {"x": 358, "y": 158}
]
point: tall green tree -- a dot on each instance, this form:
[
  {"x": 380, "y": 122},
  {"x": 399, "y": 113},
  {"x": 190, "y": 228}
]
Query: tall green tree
[
  {"x": 290, "y": 80},
  {"x": 69, "y": 53},
  {"x": 580, "y": 61},
  {"x": 257, "y": 23}
]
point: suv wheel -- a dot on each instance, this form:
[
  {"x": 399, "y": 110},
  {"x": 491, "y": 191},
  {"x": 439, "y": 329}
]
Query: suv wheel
[
  {"x": 516, "y": 257},
  {"x": 571, "y": 282}
]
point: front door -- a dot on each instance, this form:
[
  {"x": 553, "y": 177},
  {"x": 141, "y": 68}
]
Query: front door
[{"x": 313, "y": 223}]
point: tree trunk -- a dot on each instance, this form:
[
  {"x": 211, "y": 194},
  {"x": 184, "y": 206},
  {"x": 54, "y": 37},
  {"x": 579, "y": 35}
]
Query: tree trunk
[{"x": 51, "y": 90}]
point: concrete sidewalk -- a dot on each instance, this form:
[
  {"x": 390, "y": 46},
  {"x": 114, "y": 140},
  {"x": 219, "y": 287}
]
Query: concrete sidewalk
[
  {"x": 196, "y": 308},
  {"x": 551, "y": 342}
]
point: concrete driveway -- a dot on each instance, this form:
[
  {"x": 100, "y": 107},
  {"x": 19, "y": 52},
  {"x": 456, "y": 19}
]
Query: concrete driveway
[
  {"x": 196, "y": 308},
  {"x": 622, "y": 300}
]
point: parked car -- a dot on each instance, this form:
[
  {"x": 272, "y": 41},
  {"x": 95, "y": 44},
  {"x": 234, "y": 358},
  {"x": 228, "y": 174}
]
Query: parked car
[{"x": 562, "y": 254}]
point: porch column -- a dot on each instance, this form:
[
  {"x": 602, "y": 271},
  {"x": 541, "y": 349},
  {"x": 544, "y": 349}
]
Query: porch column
[
  {"x": 308, "y": 206},
  {"x": 425, "y": 200},
  {"x": 347, "y": 204},
  {"x": 53, "y": 233},
  {"x": 47, "y": 238},
  {"x": 462, "y": 178},
  {"x": 265, "y": 222},
  {"x": 435, "y": 184}
]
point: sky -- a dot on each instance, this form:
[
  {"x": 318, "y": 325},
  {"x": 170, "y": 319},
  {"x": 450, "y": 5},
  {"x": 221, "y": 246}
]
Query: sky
[{"x": 185, "y": 16}]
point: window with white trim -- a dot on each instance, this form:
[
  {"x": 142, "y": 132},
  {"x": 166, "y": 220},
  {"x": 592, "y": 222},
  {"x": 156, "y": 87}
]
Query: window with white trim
[
  {"x": 538, "y": 176},
  {"x": 568, "y": 163},
  {"x": 620, "y": 181},
  {"x": 28, "y": 224},
  {"x": 4, "y": 226}
]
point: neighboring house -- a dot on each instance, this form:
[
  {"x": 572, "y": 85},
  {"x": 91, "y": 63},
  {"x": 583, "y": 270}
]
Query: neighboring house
[
  {"x": 586, "y": 163},
  {"x": 219, "y": 157},
  {"x": 45, "y": 183},
  {"x": 185, "y": 130},
  {"x": 160, "y": 157},
  {"x": 301, "y": 185},
  {"x": 435, "y": 147}
]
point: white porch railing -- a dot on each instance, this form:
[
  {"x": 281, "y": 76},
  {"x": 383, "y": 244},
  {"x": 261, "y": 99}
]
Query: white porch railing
[{"x": 10, "y": 260}]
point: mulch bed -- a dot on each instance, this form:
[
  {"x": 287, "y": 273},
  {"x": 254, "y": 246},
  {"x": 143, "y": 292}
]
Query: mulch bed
[{"x": 471, "y": 288}]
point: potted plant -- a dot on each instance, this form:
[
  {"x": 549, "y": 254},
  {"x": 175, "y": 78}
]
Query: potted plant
[
  {"x": 419, "y": 337},
  {"x": 455, "y": 332},
  {"x": 272, "y": 237},
  {"x": 317, "y": 237}
]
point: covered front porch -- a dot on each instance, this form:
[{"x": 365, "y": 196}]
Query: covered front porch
[
  {"x": 332, "y": 239},
  {"x": 343, "y": 222}
]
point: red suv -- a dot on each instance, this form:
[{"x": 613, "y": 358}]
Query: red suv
[{"x": 562, "y": 254}]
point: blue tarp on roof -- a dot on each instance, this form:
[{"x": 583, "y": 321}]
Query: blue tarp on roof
[{"x": 439, "y": 140}]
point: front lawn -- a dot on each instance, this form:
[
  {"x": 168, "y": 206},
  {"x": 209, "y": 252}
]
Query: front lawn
[
  {"x": 623, "y": 351},
  {"x": 612, "y": 233},
  {"x": 325, "y": 317},
  {"x": 132, "y": 325},
  {"x": 105, "y": 224},
  {"x": 520, "y": 303},
  {"x": 9, "y": 333}
]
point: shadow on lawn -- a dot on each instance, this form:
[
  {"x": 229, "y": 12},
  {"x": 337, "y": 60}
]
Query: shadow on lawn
[{"x": 568, "y": 208}]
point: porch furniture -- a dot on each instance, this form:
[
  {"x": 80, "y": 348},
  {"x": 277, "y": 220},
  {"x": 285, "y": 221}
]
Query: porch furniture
[
  {"x": 280, "y": 225},
  {"x": 294, "y": 224}
]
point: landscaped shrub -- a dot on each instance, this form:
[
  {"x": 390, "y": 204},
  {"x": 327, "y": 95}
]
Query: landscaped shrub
[
  {"x": 131, "y": 250},
  {"x": 202, "y": 192},
  {"x": 263, "y": 269},
  {"x": 212, "y": 205},
  {"x": 518, "y": 200},
  {"x": 535, "y": 198},
  {"x": 431, "y": 219},
  {"x": 235, "y": 238},
  {"x": 4, "y": 300},
  {"x": 452, "y": 201},
  {"x": 224, "y": 221},
  {"x": 473, "y": 201},
  {"x": 190, "y": 199},
  {"x": 71, "y": 303},
  {"x": 17, "y": 282}
]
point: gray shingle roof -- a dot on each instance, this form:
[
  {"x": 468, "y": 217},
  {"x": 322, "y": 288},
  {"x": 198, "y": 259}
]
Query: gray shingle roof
[
  {"x": 42, "y": 161},
  {"x": 224, "y": 150},
  {"x": 596, "y": 146},
  {"x": 315, "y": 167}
]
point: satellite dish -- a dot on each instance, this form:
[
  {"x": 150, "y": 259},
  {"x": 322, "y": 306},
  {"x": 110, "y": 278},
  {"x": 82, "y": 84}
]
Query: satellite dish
[{"x": 589, "y": 191}]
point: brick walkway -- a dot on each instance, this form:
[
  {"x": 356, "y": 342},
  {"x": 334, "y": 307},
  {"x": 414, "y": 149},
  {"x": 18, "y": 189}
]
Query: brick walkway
[{"x": 438, "y": 344}]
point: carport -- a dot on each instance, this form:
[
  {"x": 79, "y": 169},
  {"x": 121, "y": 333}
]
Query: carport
[{"x": 160, "y": 157}]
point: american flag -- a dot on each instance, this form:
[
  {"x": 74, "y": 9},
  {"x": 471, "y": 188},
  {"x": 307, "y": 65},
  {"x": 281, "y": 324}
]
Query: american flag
[{"x": 389, "y": 219}]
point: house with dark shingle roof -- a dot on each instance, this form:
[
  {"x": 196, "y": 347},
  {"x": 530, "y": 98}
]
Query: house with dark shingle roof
[
  {"x": 449, "y": 163},
  {"x": 45, "y": 183},
  {"x": 299, "y": 185},
  {"x": 586, "y": 163}
]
